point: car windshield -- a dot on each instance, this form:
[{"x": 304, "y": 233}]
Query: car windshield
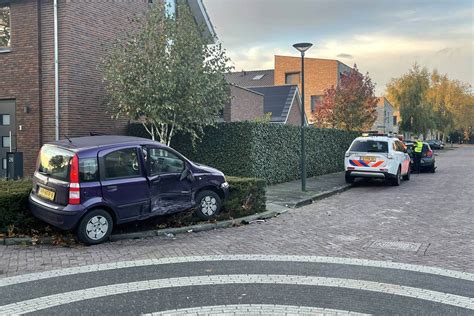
[
  {"x": 54, "y": 162},
  {"x": 369, "y": 146}
]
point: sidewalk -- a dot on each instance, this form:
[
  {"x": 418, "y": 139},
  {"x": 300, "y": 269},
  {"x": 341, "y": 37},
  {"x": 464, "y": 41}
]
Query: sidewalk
[{"x": 289, "y": 195}]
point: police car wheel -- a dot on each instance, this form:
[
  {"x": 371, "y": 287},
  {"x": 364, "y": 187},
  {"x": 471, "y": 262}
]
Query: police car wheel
[
  {"x": 396, "y": 181},
  {"x": 407, "y": 176},
  {"x": 349, "y": 179}
]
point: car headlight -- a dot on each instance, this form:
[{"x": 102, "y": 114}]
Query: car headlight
[{"x": 225, "y": 185}]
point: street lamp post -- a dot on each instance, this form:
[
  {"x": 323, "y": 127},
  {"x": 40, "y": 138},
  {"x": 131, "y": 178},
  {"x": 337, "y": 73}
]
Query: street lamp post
[{"x": 302, "y": 48}]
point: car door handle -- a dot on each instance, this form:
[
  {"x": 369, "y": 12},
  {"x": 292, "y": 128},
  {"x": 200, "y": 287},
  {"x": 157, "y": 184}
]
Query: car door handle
[{"x": 111, "y": 188}]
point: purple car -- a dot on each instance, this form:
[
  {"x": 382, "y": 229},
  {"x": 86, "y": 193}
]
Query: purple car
[{"x": 91, "y": 183}]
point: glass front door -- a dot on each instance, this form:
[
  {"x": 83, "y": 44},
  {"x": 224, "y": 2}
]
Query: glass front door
[{"x": 7, "y": 133}]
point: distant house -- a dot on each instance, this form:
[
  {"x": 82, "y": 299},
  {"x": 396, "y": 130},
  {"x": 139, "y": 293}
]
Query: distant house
[
  {"x": 254, "y": 78},
  {"x": 244, "y": 105},
  {"x": 320, "y": 74},
  {"x": 396, "y": 121},
  {"x": 385, "y": 117},
  {"x": 283, "y": 102}
]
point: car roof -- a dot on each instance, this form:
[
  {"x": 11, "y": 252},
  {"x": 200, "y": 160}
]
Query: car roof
[
  {"x": 379, "y": 138},
  {"x": 80, "y": 143}
]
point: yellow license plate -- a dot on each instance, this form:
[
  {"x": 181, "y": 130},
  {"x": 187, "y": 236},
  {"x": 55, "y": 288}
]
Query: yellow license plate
[
  {"x": 369, "y": 158},
  {"x": 45, "y": 193}
]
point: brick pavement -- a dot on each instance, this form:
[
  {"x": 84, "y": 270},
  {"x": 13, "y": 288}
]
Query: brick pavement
[{"x": 434, "y": 210}]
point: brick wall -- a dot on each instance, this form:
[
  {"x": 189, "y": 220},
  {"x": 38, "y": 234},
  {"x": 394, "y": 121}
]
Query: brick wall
[
  {"x": 245, "y": 105},
  {"x": 320, "y": 74},
  {"x": 86, "y": 30},
  {"x": 20, "y": 78},
  {"x": 90, "y": 28},
  {"x": 294, "y": 117}
]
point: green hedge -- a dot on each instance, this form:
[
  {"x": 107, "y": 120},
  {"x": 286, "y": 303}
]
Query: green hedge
[
  {"x": 267, "y": 151},
  {"x": 247, "y": 196},
  {"x": 14, "y": 205}
]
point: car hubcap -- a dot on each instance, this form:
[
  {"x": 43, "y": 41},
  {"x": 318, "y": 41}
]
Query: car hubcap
[
  {"x": 97, "y": 227},
  {"x": 208, "y": 205}
]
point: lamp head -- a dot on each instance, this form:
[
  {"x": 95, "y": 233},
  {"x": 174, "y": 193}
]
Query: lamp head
[{"x": 302, "y": 47}]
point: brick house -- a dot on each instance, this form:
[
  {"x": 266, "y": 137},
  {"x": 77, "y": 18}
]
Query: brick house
[
  {"x": 62, "y": 47},
  {"x": 385, "y": 117},
  {"x": 320, "y": 74},
  {"x": 283, "y": 102},
  {"x": 245, "y": 105}
]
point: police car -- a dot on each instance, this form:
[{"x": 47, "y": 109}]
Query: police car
[{"x": 377, "y": 156}]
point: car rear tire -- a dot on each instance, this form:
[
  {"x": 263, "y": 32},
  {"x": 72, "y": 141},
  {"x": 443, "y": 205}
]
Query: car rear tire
[
  {"x": 208, "y": 204},
  {"x": 349, "y": 179},
  {"x": 95, "y": 227},
  {"x": 397, "y": 180},
  {"x": 407, "y": 176}
]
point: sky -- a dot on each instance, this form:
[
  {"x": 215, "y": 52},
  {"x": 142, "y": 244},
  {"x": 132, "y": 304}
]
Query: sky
[{"x": 384, "y": 38}]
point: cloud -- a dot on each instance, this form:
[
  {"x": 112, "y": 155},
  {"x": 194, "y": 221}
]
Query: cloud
[
  {"x": 382, "y": 37},
  {"x": 343, "y": 55}
]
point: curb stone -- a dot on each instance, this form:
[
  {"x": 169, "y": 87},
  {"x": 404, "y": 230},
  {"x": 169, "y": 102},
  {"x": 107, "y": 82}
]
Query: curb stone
[
  {"x": 154, "y": 233},
  {"x": 322, "y": 195}
]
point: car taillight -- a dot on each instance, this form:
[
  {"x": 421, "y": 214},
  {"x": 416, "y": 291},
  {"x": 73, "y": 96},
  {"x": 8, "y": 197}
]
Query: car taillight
[
  {"x": 429, "y": 153},
  {"x": 74, "y": 187}
]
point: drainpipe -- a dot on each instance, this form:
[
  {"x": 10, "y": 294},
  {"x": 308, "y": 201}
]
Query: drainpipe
[{"x": 56, "y": 71}]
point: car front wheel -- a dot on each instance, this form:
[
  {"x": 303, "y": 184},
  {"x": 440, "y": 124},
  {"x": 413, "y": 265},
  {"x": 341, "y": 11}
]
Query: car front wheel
[
  {"x": 208, "y": 204},
  {"x": 95, "y": 227}
]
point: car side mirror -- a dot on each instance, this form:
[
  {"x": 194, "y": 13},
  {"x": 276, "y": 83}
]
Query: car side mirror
[{"x": 186, "y": 174}]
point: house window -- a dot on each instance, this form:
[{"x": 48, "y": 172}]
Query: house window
[
  {"x": 5, "y": 119},
  {"x": 394, "y": 120},
  {"x": 4, "y": 27},
  {"x": 258, "y": 77},
  {"x": 292, "y": 78},
  {"x": 170, "y": 8},
  {"x": 5, "y": 141},
  {"x": 4, "y": 163},
  {"x": 316, "y": 100}
]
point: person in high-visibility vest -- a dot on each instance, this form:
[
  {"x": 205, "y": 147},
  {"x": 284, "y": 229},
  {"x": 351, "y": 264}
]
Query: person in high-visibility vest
[{"x": 417, "y": 149}]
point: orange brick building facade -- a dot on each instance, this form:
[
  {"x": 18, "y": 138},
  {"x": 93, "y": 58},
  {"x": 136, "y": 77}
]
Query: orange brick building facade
[{"x": 320, "y": 74}]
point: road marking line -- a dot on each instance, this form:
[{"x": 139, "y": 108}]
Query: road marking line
[
  {"x": 308, "y": 259},
  {"x": 40, "y": 303},
  {"x": 265, "y": 309}
]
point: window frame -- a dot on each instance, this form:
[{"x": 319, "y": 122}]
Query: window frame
[
  {"x": 293, "y": 73},
  {"x": 3, "y": 142},
  {"x": 316, "y": 97},
  {"x": 148, "y": 161},
  {"x": 6, "y": 49},
  {"x": 103, "y": 169},
  {"x": 9, "y": 120},
  {"x": 82, "y": 160}
]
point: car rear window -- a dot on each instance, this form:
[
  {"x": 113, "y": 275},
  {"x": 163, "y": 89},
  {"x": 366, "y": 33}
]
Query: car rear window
[
  {"x": 369, "y": 146},
  {"x": 54, "y": 162}
]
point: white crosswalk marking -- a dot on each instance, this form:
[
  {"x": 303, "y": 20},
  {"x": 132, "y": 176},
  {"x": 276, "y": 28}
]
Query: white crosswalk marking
[
  {"x": 312, "y": 259},
  {"x": 44, "y": 302}
]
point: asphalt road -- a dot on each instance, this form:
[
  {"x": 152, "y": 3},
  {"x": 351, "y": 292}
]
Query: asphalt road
[{"x": 374, "y": 249}]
